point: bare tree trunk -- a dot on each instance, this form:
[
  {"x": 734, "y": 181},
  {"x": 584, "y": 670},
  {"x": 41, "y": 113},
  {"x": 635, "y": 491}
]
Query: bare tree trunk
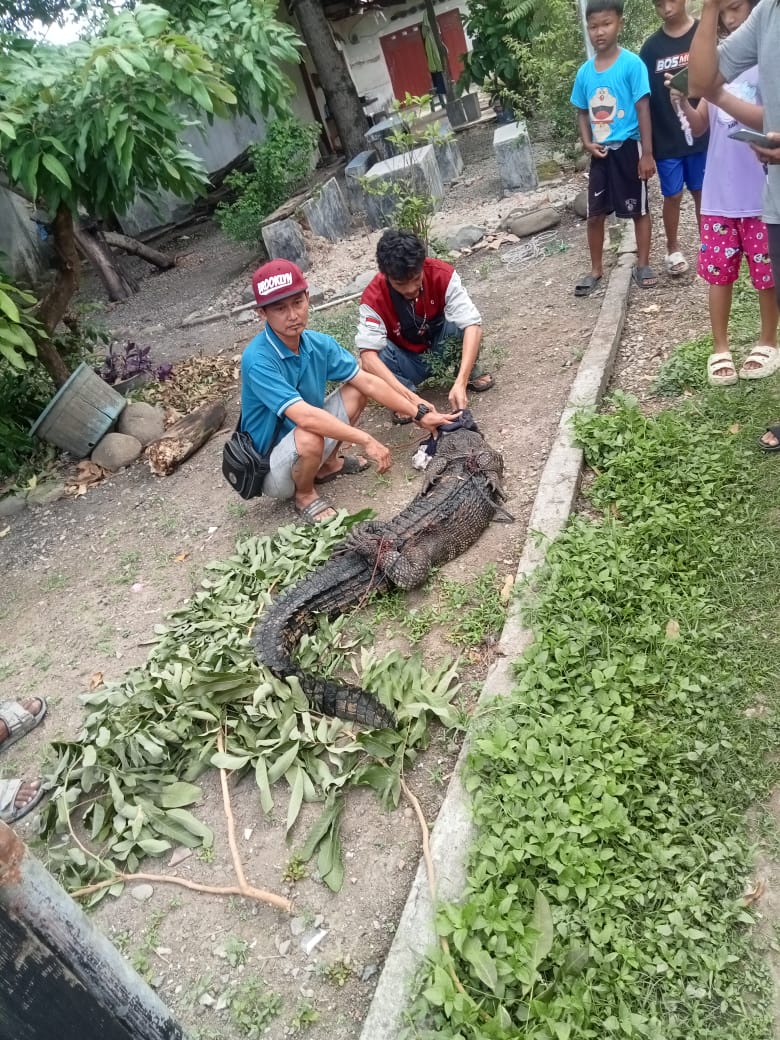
[
  {"x": 340, "y": 93},
  {"x": 92, "y": 244},
  {"x": 136, "y": 248},
  {"x": 55, "y": 304}
]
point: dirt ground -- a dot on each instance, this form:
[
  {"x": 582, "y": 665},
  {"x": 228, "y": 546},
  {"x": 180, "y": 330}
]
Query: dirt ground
[{"x": 85, "y": 580}]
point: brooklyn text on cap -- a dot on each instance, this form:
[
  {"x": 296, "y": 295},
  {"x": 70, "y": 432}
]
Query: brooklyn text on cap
[{"x": 277, "y": 280}]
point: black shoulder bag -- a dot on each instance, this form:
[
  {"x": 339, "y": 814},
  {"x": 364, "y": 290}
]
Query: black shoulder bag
[{"x": 243, "y": 467}]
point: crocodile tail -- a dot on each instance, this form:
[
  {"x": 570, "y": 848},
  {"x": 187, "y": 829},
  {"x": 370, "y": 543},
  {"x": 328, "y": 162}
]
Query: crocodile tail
[{"x": 345, "y": 702}]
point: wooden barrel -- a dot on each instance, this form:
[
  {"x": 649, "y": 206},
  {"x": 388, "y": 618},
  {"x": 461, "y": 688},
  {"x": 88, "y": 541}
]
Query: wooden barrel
[{"x": 81, "y": 412}]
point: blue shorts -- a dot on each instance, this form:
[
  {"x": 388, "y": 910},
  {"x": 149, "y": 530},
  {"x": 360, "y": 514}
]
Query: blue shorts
[{"x": 674, "y": 174}]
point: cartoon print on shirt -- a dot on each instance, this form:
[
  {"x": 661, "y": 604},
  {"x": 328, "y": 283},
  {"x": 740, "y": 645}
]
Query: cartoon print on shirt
[{"x": 603, "y": 110}]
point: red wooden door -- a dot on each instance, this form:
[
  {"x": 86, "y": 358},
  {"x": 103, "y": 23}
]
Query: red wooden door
[
  {"x": 405, "y": 58},
  {"x": 454, "y": 39},
  {"x": 404, "y": 54}
]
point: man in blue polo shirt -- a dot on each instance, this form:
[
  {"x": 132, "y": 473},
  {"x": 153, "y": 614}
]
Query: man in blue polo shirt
[{"x": 284, "y": 372}]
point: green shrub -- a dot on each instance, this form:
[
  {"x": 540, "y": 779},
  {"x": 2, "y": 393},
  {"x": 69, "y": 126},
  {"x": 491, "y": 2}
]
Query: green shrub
[
  {"x": 23, "y": 396},
  {"x": 528, "y": 53},
  {"x": 280, "y": 165}
]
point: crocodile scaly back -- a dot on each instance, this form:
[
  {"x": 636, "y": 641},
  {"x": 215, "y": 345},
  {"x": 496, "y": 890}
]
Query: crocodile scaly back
[{"x": 460, "y": 495}]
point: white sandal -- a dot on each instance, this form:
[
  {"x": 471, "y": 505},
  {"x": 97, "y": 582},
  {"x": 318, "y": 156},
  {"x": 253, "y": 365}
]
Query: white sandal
[
  {"x": 675, "y": 264},
  {"x": 768, "y": 358},
  {"x": 717, "y": 366}
]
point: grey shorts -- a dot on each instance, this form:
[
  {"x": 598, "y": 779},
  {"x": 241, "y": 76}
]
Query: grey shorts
[{"x": 279, "y": 483}]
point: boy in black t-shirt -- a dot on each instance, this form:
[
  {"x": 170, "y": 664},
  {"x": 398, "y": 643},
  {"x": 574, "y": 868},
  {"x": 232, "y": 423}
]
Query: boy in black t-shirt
[{"x": 679, "y": 156}]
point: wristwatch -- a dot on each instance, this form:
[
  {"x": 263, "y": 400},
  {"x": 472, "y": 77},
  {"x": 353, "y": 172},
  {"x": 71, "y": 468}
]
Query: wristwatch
[{"x": 422, "y": 410}]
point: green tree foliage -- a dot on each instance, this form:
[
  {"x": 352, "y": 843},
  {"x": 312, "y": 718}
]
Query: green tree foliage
[
  {"x": 98, "y": 123},
  {"x": 16, "y": 325},
  {"x": 279, "y": 165},
  {"x": 528, "y": 51}
]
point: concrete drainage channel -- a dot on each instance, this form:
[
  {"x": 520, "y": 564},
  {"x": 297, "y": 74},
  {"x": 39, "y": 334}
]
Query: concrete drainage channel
[{"x": 453, "y": 834}]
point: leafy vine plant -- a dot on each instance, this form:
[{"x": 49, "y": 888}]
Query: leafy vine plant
[{"x": 128, "y": 783}]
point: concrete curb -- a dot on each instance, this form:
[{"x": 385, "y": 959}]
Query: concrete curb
[{"x": 452, "y": 835}]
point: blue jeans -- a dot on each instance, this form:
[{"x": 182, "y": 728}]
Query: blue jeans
[{"x": 411, "y": 369}]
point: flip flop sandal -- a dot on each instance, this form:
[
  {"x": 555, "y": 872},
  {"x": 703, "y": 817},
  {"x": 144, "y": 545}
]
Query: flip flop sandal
[
  {"x": 675, "y": 264},
  {"x": 644, "y": 277},
  {"x": 9, "y": 812},
  {"x": 775, "y": 431},
  {"x": 481, "y": 383},
  {"x": 587, "y": 284},
  {"x": 721, "y": 370},
  {"x": 768, "y": 359},
  {"x": 351, "y": 465},
  {"x": 18, "y": 721},
  {"x": 314, "y": 509}
]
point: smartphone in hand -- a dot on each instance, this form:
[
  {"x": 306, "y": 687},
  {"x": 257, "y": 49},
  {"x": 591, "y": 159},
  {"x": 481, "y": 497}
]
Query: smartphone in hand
[
  {"x": 754, "y": 137},
  {"x": 680, "y": 81}
]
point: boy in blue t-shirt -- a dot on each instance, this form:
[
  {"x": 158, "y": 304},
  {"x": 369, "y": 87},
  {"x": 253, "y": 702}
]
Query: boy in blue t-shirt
[{"x": 611, "y": 93}]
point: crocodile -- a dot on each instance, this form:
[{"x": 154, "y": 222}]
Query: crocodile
[{"x": 460, "y": 495}]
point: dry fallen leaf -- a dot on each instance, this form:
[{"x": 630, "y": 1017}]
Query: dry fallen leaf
[
  {"x": 735, "y": 428},
  {"x": 5, "y": 531},
  {"x": 506, "y": 590},
  {"x": 181, "y": 557},
  {"x": 672, "y": 629},
  {"x": 96, "y": 680},
  {"x": 754, "y": 894}
]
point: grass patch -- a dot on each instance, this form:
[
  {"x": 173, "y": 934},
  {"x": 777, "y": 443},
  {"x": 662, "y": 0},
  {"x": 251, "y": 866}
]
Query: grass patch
[
  {"x": 339, "y": 322},
  {"x": 610, "y": 791}
]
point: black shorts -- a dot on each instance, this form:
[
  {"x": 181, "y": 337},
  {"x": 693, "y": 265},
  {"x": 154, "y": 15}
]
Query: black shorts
[{"x": 614, "y": 185}]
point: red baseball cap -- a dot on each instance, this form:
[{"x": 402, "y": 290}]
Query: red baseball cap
[{"x": 277, "y": 280}]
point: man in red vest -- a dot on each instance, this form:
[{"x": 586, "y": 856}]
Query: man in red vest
[{"x": 407, "y": 313}]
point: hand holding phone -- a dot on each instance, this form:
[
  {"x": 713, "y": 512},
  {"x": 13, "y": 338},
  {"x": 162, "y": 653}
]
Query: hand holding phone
[
  {"x": 679, "y": 81},
  {"x": 754, "y": 137}
]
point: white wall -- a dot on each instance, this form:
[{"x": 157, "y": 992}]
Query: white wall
[{"x": 360, "y": 34}]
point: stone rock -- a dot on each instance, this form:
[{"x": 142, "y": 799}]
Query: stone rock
[
  {"x": 582, "y": 162},
  {"x": 326, "y": 212},
  {"x": 298, "y": 926},
  {"x": 378, "y": 136},
  {"x": 357, "y": 285},
  {"x": 141, "y": 893},
  {"x": 356, "y": 169},
  {"x": 463, "y": 237},
  {"x": 547, "y": 170},
  {"x": 283, "y": 239},
  {"x": 45, "y": 494},
  {"x": 525, "y": 224},
  {"x": 418, "y": 168},
  {"x": 12, "y": 505},
  {"x": 246, "y": 318},
  {"x": 514, "y": 156},
  {"x": 248, "y": 295},
  {"x": 580, "y": 204},
  {"x": 368, "y": 972},
  {"x": 316, "y": 295},
  {"x": 142, "y": 421},
  {"x": 116, "y": 450}
]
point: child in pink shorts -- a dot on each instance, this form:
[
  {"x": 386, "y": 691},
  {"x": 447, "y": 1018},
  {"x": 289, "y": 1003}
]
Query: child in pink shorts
[{"x": 731, "y": 227}]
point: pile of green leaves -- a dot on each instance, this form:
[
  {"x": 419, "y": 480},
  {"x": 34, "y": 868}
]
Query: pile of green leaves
[
  {"x": 128, "y": 781},
  {"x": 279, "y": 165},
  {"x": 605, "y": 891}
]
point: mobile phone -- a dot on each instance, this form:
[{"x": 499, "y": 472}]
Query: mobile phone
[
  {"x": 754, "y": 137},
  {"x": 680, "y": 81}
]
